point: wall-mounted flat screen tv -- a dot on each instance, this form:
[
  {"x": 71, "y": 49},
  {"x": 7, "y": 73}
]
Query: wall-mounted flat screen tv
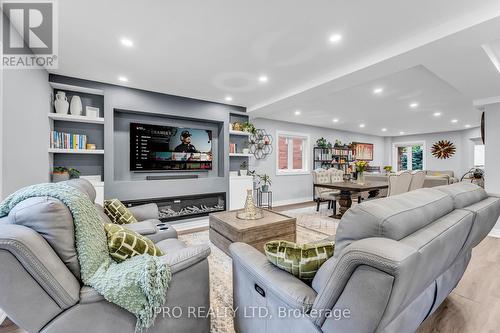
[{"x": 168, "y": 148}]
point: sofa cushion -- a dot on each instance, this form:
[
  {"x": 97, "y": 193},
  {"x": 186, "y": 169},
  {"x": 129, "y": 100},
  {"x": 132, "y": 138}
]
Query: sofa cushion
[
  {"x": 53, "y": 221},
  {"x": 301, "y": 261},
  {"x": 393, "y": 217},
  {"x": 464, "y": 193},
  {"x": 117, "y": 212},
  {"x": 84, "y": 186},
  {"x": 124, "y": 243}
]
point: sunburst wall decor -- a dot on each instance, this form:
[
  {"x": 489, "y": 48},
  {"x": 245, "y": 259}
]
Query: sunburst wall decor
[{"x": 443, "y": 149}]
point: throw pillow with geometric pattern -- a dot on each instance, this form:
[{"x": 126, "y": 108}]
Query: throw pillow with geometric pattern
[
  {"x": 124, "y": 243},
  {"x": 117, "y": 212},
  {"x": 301, "y": 261}
]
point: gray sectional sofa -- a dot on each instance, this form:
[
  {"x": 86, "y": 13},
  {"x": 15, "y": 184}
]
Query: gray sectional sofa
[
  {"x": 396, "y": 259},
  {"x": 40, "y": 287}
]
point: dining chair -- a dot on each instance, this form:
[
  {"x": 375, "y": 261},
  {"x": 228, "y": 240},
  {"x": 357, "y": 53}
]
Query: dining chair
[
  {"x": 322, "y": 176},
  {"x": 336, "y": 176},
  {"x": 417, "y": 180},
  {"x": 399, "y": 183}
]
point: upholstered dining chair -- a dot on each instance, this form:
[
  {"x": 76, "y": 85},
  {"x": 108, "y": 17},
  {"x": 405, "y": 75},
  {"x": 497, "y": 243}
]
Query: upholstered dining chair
[
  {"x": 417, "y": 180},
  {"x": 336, "y": 175},
  {"x": 322, "y": 176},
  {"x": 399, "y": 183}
]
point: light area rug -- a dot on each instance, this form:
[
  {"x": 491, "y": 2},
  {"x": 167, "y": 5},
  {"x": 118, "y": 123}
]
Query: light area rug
[{"x": 311, "y": 226}]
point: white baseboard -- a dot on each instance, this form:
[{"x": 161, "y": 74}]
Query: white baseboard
[
  {"x": 495, "y": 232},
  {"x": 291, "y": 201}
]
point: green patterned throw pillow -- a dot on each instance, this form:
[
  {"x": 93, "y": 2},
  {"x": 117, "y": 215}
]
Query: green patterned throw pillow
[
  {"x": 124, "y": 243},
  {"x": 301, "y": 261},
  {"x": 117, "y": 212}
]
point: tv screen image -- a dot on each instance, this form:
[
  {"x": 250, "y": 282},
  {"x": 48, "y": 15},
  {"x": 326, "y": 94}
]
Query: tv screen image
[{"x": 163, "y": 148}]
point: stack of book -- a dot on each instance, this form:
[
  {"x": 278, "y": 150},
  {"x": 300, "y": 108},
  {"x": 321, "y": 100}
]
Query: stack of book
[
  {"x": 232, "y": 148},
  {"x": 60, "y": 140}
]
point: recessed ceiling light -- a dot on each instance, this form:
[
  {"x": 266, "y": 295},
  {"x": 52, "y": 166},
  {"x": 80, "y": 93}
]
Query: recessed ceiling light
[
  {"x": 467, "y": 126},
  {"x": 384, "y": 129},
  {"x": 401, "y": 132},
  {"x": 122, "y": 78},
  {"x": 378, "y": 91},
  {"x": 127, "y": 42},
  {"x": 297, "y": 113},
  {"x": 414, "y": 105},
  {"x": 263, "y": 78},
  {"x": 437, "y": 114},
  {"x": 454, "y": 121},
  {"x": 362, "y": 125},
  {"x": 335, "y": 38},
  {"x": 335, "y": 120},
  {"x": 228, "y": 98}
]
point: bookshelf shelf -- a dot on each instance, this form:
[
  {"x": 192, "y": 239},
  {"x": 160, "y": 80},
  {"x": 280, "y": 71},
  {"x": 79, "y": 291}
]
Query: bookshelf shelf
[
  {"x": 76, "y": 119},
  {"x": 76, "y": 151},
  {"x": 85, "y": 90},
  {"x": 241, "y": 133},
  {"x": 239, "y": 155}
]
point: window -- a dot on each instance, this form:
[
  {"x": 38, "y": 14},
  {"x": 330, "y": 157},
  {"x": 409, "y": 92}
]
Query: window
[
  {"x": 479, "y": 156},
  {"x": 292, "y": 153},
  {"x": 408, "y": 156}
]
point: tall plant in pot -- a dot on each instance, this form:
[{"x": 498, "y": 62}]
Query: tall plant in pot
[
  {"x": 265, "y": 181},
  {"x": 244, "y": 168}
]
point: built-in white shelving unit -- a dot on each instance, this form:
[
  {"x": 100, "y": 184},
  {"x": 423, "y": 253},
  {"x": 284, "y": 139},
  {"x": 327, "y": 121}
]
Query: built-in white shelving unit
[
  {"x": 76, "y": 151},
  {"x": 77, "y": 119}
]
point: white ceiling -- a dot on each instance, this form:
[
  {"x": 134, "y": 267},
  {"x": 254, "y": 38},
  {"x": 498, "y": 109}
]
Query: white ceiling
[{"x": 426, "y": 50}]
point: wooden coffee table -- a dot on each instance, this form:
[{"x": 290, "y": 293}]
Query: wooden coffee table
[{"x": 226, "y": 228}]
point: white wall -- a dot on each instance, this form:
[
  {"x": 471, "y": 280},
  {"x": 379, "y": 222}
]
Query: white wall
[
  {"x": 492, "y": 156},
  {"x": 298, "y": 188},
  {"x": 460, "y": 162},
  {"x": 25, "y": 127}
]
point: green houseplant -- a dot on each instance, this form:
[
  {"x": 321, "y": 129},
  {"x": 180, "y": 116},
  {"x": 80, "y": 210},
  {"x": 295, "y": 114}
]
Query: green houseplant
[
  {"x": 59, "y": 174},
  {"x": 244, "y": 168},
  {"x": 73, "y": 173},
  {"x": 265, "y": 181},
  {"x": 249, "y": 127}
]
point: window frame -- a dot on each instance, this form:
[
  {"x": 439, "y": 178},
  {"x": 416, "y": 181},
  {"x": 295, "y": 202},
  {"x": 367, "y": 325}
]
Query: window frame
[
  {"x": 394, "y": 153},
  {"x": 305, "y": 153}
]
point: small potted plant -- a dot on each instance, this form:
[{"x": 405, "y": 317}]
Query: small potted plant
[
  {"x": 73, "y": 173},
  {"x": 321, "y": 143},
  {"x": 244, "y": 168},
  {"x": 266, "y": 181},
  {"x": 249, "y": 127},
  {"x": 60, "y": 174},
  {"x": 388, "y": 168}
]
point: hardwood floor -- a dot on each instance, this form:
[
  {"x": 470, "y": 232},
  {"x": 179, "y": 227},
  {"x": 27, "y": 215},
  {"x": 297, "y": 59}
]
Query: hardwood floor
[{"x": 473, "y": 307}]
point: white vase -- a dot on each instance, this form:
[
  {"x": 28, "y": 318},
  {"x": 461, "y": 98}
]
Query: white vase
[
  {"x": 243, "y": 172},
  {"x": 76, "y": 108},
  {"x": 61, "y": 103}
]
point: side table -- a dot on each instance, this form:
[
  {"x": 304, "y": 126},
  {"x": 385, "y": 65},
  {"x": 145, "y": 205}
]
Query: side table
[{"x": 268, "y": 203}]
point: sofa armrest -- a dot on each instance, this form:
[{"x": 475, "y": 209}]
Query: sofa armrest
[
  {"x": 384, "y": 254},
  {"x": 494, "y": 195},
  {"x": 186, "y": 257},
  {"x": 41, "y": 262},
  {"x": 147, "y": 227},
  {"x": 145, "y": 212},
  {"x": 290, "y": 290}
]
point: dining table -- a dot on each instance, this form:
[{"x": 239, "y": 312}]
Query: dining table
[{"x": 349, "y": 188}]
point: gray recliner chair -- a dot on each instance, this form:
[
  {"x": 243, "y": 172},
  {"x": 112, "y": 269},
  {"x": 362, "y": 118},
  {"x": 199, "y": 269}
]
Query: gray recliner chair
[
  {"x": 40, "y": 287},
  {"x": 396, "y": 259}
]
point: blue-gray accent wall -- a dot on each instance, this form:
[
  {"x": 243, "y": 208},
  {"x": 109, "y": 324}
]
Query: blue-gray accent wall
[{"x": 146, "y": 105}]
